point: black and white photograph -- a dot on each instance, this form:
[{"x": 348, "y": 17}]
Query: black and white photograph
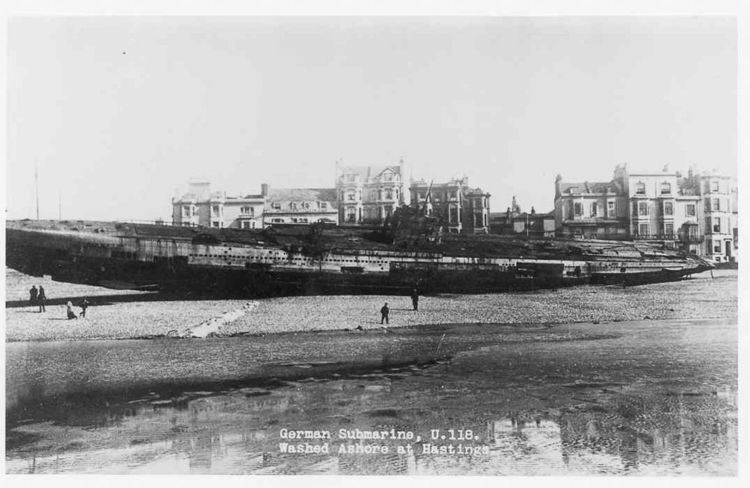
[{"x": 380, "y": 245}]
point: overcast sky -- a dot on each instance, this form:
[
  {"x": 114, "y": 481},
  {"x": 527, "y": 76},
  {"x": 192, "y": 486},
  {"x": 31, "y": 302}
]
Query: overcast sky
[{"x": 118, "y": 112}]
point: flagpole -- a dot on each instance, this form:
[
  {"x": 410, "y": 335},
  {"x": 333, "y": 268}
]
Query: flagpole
[{"x": 36, "y": 188}]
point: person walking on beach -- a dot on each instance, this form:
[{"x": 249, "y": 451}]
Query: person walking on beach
[
  {"x": 33, "y": 294},
  {"x": 71, "y": 313},
  {"x": 384, "y": 313},
  {"x": 84, "y": 305},
  {"x": 41, "y": 299},
  {"x": 415, "y": 299}
]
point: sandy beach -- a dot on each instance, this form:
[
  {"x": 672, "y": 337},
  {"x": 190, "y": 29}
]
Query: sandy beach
[{"x": 117, "y": 314}]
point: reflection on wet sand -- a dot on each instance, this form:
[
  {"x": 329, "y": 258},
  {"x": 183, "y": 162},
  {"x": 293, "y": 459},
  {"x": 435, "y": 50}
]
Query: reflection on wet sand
[
  {"x": 238, "y": 432},
  {"x": 633, "y": 398}
]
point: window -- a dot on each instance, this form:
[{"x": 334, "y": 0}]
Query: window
[
  {"x": 303, "y": 220},
  {"x": 577, "y": 209},
  {"x": 594, "y": 209},
  {"x": 668, "y": 229},
  {"x": 306, "y": 205},
  {"x": 643, "y": 229},
  {"x": 690, "y": 210},
  {"x": 640, "y": 188},
  {"x": 642, "y": 208},
  {"x": 452, "y": 215},
  {"x": 717, "y": 224},
  {"x": 323, "y": 206},
  {"x": 277, "y": 221},
  {"x": 247, "y": 211},
  {"x": 715, "y": 204},
  {"x": 388, "y": 195},
  {"x": 215, "y": 209},
  {"x": 350, "y": 196},
  {"x": 186, "y": 211},
  {"x": 714, "y": 187},
  {"x": 610, "y": 209},
  {"x": 246, "y": 225},
  {"x": 214, "y": 224},
  {"x": 666, "y": 188},
  {"x": 717, "y": 247},
  {"x": 276, "y": 206},
  {"x": 668, "y": 208}
]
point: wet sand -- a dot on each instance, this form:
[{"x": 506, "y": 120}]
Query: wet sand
[
  {"x": 597, "y": 380},
  {"x": 643, "y": 397}
]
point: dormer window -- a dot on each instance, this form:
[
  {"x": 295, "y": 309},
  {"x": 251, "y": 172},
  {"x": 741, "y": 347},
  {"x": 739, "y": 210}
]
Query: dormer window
[{"x": 276, "y": 206}]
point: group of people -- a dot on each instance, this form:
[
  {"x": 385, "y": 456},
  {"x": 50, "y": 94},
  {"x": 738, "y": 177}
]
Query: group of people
[
  {"x": 38, "y": 297},
  {"x": 385, "y": 311},
  {"x": 71, "y": 313}
]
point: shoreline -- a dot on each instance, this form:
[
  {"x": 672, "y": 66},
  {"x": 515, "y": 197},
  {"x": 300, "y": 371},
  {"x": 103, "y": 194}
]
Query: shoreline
[{"x": 110, "y": 318}]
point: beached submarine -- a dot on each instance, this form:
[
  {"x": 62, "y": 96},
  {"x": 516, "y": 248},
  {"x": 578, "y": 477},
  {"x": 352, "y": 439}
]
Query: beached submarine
[{"x": 327, "y": 259}]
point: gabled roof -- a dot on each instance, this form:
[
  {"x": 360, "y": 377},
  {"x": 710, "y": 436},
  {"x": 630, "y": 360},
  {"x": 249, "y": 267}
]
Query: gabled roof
[{"x": 367, "y": 172}]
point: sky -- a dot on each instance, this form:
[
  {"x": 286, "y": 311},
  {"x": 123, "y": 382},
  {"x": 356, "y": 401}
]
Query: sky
[{"x": 119, "y": 113}]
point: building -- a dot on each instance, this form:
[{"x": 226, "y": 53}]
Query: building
[
  {"x": 300, "y": 206},
  {"x": 202, "y": 207},
  {"x": 515, "y": 222},
  {"x": 696, "y": 213},
  {"x": 459, "y": 208},
  {"x": 663, "y": 210},
  {"x": 718, "y": 193},
  {"x": 593, "y": 210},
  {"x": 369, "y": 194}
]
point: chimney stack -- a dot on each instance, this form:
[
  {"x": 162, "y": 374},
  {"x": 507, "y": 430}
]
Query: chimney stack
[{"x": 264, "y": 189}]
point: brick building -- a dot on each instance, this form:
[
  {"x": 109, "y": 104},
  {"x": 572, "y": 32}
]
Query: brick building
[{"x": 460, "y": 208}]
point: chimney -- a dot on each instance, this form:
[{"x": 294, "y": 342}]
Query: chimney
[
  {"x": 558, "y": 180},
  {"x": 264, "y": 189}
]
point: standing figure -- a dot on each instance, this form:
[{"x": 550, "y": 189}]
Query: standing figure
[
  {"x": 33, "y": 294},
  {"x": 384, "y": 313},
  {"x": 41, "y": 299},
  {"x": 415, "y": 299},
  {"x": 84, "y": 305},
  {"x": 71, "y": 313}
]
